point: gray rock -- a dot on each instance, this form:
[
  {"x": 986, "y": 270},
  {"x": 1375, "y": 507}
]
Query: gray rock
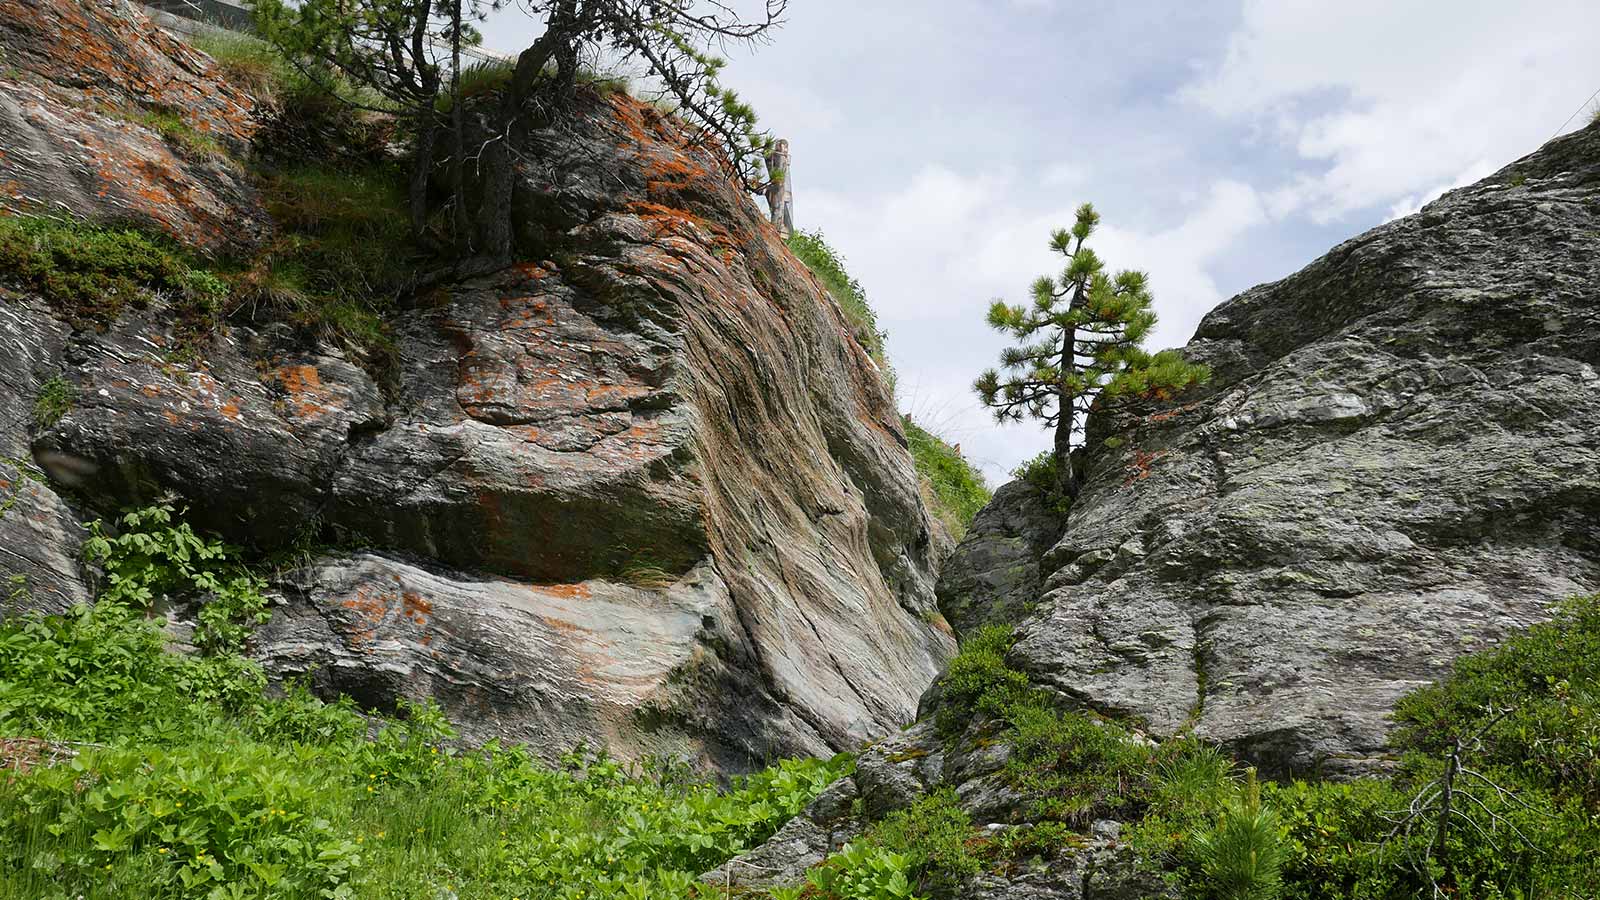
[
  {"x": 803, "y": 842},
  {"x": 1102, "y": 869},
  {"x": 1394, "y": 463},
  {"x": 994, "y": 575},
  {"x": 39, "y": 534}
]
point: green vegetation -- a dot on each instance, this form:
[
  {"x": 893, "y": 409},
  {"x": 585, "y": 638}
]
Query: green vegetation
[
  {"x": 955, "y": 489},
  {"x": 90, "y": 273},
  {"x": 824, "y": 262},
  {"x": 172, "y": 126},
  {"x": 343, "y": 260},
  {"x": 150, "y": 557},
  {"x": 1527, "y": 819},
  {"x": 53, "y": 401},
  {"x": 1043, "y": 473},
  {"x": 182, "y": 776},
  {"x": 1079, "y": 346}
]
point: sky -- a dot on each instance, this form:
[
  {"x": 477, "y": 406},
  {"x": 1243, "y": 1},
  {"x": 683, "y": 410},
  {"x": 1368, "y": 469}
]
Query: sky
[{"x": 936, "y": 143}]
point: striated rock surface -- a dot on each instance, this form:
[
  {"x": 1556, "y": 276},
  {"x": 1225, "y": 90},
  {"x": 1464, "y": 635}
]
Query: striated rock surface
[
  {"x": 105, "y": 116},
  {"x": 1397, "y": 460},
  {"x": 643, "y": 489}
]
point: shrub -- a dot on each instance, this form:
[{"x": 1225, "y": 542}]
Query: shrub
[
  {"x": 90, "y": 272},
  {"x": 955, "y": 488},
  {"x": 934, "y": 837},
  {"x": 977, "y": 679},
  {"x": 53, "y": 401},
  {"x": 1043, "y": 474},
  {"x": 1549, "y": 677}
]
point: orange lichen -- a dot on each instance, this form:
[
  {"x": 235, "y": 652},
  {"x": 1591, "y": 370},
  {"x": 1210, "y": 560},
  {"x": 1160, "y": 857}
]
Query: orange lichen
[
  {"x": 566, "y": 591},
  {"x": 1139, "y": 468}
]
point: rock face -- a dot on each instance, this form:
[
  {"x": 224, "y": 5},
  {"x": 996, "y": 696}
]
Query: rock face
[
  {"x": 993, "y": 577},
  {"x": 644, "y": 489},
  {"x": 1397, "y": 460},
  {"x": 105, "y": 116}
]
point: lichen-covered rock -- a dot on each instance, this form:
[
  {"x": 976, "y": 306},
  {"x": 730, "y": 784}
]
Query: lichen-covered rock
[
  {"x": 1395, "y": 462},
  {"x": 105, "y": 116},
  {"x": 643, "y": 489},
  {"x": 1103, "y": 868}
]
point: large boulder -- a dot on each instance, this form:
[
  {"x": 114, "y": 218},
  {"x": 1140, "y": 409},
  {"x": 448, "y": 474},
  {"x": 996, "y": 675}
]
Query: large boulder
[
  {"x": 644, "y": 489},
  {"x": 1397, "y": 460}
]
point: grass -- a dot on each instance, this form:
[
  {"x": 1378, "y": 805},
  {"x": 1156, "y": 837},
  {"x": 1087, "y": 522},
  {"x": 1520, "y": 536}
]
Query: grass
[
  {"x": 53, "y": 401},
  {"x": 343, "y": 258},
  {"x": 170, "y": 125},
  {"x": 955, "y": 489},
  {"x": 826, "y": 263},
  {"x": 257, "y": 68},
  {"x": 184, "y": 776}
]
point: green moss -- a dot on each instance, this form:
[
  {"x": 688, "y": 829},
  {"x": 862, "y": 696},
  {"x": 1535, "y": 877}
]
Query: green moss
[
  {"x": 90, "y": 273},
  {"x": 955, "y": 488}
]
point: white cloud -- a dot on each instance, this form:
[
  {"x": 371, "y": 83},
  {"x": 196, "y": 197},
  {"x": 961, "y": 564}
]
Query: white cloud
[
  {"x": 1383, "y": 99},
  {"x": 933, "y": 253}
]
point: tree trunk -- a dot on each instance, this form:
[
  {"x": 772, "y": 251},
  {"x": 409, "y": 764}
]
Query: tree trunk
[
  {"x": 421, "y": 171},
  {"x": 1066, "y": 474},
  {"x": 494, "y": 160},
  {"x": 461, "y": 239}
]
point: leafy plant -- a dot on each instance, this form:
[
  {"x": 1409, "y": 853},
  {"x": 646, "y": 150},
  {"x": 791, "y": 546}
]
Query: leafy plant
[
  {"x": 150, "y": 557},
  {"x": 862, "y": 871}
]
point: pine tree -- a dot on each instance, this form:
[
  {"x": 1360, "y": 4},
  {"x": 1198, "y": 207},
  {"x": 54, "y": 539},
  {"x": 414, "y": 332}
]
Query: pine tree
[{"x": 1079, "y": 347}]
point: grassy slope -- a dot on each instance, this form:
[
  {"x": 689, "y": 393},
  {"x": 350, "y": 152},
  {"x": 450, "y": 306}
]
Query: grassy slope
[{"x": 953, "y": 488}]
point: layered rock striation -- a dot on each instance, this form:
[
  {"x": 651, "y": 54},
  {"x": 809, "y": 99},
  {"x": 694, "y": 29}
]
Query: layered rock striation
[{"x": 642, "y": 489}]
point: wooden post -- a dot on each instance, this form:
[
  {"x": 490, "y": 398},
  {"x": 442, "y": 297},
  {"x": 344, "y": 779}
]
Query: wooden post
[{"x": 780, "y": 190}]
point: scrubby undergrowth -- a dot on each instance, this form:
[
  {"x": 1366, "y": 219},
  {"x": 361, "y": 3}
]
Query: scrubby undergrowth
[
  {"x": 1522, "y": 720},
  {"x": 132, "y": 771}
]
